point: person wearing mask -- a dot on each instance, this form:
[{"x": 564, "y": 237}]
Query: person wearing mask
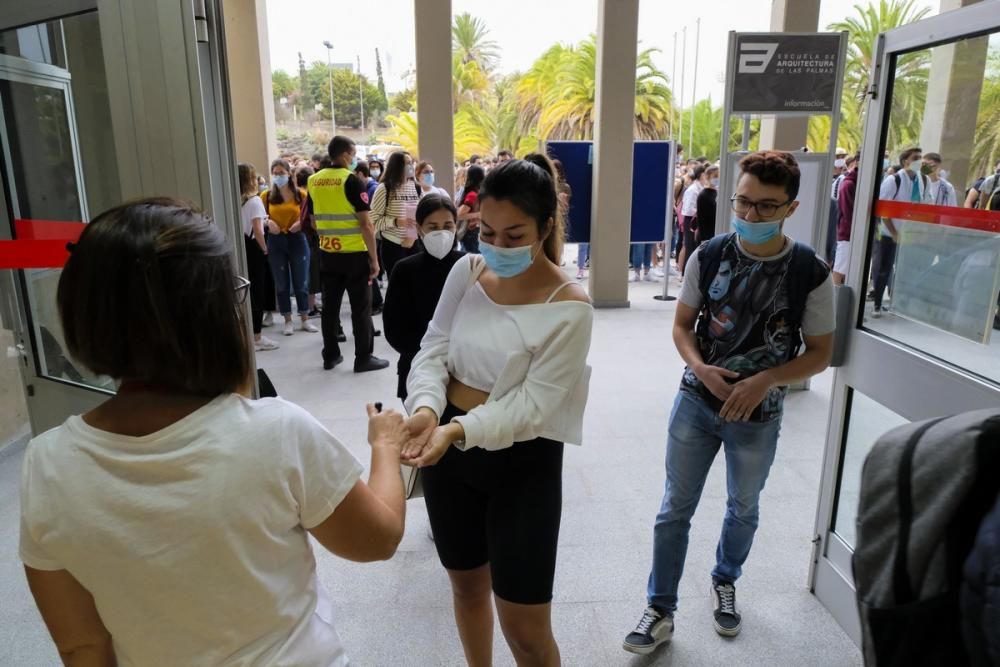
[
  {"x": 908, "y": 184},
  {"x": 689, "y": 210},
  {"x": 468, "y": 211},
  {"x": 376, "y": 168},
  {"x": 942, "y": 192},
  {"x": 425, "y": 180},
  {"x": 287, "y": 246},
  {"x": 845, "y": 209},
  {"x": 749, "y": 301},
  {"x": 417, "y": 282},
  {"x": 338, "y": 210},
  {"x": 498, "y": 386},
  {"x": 371, "y": 185},
  {"x": 301, "y": 178},
  {"x": 392, "y": 206},
  {"x": 705, "y": 207},
  {"x": 253, "y": 215},
  {"x": 171, "y": 524}
]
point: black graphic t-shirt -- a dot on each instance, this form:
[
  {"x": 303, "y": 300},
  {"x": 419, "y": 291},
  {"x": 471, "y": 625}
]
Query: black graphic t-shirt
[{"x": 747, "y": 322}]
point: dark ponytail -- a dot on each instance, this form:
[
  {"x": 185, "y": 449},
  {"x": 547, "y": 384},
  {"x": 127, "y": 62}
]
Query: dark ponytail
[{"x": 530, "y": 185}]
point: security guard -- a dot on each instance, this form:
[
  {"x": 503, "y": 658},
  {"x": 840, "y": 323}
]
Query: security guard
[{"x": 338, "y": 207}]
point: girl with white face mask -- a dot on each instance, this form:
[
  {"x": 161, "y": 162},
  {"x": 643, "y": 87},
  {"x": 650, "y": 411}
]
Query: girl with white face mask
[
  {"x": 417, "y": 282},
  {"x": 498, "y": 386},
  {"x": 425, "y": 178}
]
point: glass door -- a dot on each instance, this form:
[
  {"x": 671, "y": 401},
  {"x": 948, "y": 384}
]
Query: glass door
[
  {"x": 83, "y": 112},
  {"x": 932, "y": 348}
]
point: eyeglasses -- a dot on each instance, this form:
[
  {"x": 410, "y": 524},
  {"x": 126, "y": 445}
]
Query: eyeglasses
[
  {"x": 742, "y": 206},
  {"x": 242, "y": 287}
]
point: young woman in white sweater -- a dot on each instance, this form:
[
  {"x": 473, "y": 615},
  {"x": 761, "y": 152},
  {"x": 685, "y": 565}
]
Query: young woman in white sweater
[{"x": 499, "y": 384}]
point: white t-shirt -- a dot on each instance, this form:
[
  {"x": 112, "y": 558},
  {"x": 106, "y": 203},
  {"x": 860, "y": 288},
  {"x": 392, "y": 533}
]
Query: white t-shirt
[
  {"x": 689, "y": 203},
  {"x": 193, "y": 539},
  {"x": 252, "y": 208}
]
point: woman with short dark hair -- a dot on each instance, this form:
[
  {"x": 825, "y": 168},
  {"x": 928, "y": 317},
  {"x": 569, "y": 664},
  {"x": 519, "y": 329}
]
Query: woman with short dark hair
[{"x": 170, "y": 525}]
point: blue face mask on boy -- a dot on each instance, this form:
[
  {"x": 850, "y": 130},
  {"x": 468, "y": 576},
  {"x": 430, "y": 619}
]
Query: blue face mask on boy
[{"x": 756, "y": 233}]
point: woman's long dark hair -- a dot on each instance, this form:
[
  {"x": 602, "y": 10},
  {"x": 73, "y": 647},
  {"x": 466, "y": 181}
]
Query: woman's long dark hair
[
  {"x": 274, "y": 194},
  {"x": 394, "y": 174},
  {"x": 474, "y": 179}
]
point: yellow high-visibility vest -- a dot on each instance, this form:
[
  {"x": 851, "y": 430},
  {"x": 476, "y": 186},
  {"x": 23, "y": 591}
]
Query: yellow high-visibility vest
[{"x": 336, "y": 222}]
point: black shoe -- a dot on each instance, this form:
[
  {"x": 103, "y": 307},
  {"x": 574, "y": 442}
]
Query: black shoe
[
  {"x": 341, "y": 336},
  {"x": 329, "y": 364},
  {"x": 727, "y": 622},
  {"x": 377, "y": 310},
  {"x": 655, "y": 627},
  {"x": 372, "y": 363},
  {"x": 315, "y": 312},
  {"x": 377, "y": 332}
]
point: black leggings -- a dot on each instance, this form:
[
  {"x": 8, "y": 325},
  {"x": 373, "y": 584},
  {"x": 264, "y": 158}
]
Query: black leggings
[
  {"x": 257, "y": 274},
  {"x": 499, "y": 507}
]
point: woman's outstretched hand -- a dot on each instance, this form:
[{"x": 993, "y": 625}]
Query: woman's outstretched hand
[{"x": 420, "y": 424}]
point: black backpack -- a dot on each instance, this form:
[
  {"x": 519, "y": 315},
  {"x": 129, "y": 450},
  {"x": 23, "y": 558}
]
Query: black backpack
[
  {"x": 925, "y": 489},
  {"x": 809, "y": 270}
]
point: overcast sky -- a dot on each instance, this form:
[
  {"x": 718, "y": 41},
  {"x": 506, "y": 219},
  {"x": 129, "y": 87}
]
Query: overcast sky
[{"x": 523, "y": 29}]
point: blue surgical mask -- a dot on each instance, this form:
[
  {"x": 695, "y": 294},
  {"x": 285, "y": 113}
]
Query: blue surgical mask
[
  {"x": 354, "y": 164},
  {"x": 428, "y": 179},
  {"x": 885, "y": 163},
  {"x": 409, "y": 171},
  {"x": 506, "y": 262},
  {"x": 756, "y": 233},
  {"x": 280, "y": 181}
]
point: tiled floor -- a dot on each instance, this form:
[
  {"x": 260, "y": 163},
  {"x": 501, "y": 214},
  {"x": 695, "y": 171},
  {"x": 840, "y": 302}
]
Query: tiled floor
[{"x": 399, "y": 612}]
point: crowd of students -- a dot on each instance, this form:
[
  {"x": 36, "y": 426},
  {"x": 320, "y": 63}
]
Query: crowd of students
[{"x": 170, "y": 524}]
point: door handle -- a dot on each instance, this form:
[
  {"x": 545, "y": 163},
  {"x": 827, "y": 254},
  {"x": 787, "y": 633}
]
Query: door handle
[{"x": 843, "y": 308}]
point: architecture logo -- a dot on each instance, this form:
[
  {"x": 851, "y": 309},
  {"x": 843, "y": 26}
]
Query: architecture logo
[{"x": 756, "y": 56}]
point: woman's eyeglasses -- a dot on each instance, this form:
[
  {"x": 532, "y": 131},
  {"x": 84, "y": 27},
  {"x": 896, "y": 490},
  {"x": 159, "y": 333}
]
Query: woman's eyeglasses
[
  {"x": 765, "y": 209},
  {"x": 242, "y": 287}
]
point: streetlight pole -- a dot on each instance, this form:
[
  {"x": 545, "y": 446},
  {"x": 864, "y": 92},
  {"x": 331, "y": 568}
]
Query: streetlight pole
[
  {"x": 684, "y": 48},
  {"x": 694, "y": 83},
  {"x": 361, "y": 92},
  {"x": 329, "y": 67}
]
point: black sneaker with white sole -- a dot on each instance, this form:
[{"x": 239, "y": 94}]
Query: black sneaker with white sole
[
  {"x": 655, "y": 627},
  {"x": 727, "y": 622}
]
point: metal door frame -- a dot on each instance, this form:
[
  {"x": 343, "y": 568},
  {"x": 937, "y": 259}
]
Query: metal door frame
[
  {"x": 168, "y": 95},
  {"x": 908, "y": 381}
]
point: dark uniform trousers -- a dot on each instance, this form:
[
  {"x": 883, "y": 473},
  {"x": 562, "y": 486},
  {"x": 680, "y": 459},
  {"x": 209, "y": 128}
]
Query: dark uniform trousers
[{"x": 340, "y": 272}]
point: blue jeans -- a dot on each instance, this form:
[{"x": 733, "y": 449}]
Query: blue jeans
[
  {"x": 582, "y": 255},
  {"x": 642, "y": 255},
  {"x": 695, "y": 434},
  {"x": 289, "y": 253}
]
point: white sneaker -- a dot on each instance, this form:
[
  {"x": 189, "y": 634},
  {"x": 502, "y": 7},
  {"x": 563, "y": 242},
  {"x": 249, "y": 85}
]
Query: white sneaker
[
  {"x": 308, "y": 326},
  {"x": 658, "y": 272},
  {"x": 635, "y": 277},
  {"x": 648, "y": 277},
  {"x": 289, "y": 328},
  {"x": 268, "y": 319},
  {"x": 265, "y": 344}
]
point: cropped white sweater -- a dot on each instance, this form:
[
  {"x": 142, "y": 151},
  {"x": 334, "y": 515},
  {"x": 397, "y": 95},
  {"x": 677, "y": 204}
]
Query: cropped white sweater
[{"x": 531, "y": 359}]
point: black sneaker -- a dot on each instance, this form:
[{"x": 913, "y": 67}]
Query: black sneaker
[
  {"x": 727, "y": 621},
  {"x": 329, "y": 364},
  {"x": 314, "y": 313},
  {"x": 372, "y": 363},
  {"x": 341, "y": 336},
  {"x": 655, "y": 627}
]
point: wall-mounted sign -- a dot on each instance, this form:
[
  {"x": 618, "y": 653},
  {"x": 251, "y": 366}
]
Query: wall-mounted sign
[{"x": 785, "y": 73}]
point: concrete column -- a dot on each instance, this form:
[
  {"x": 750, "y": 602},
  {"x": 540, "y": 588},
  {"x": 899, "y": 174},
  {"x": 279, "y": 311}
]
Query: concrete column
[
  {"x": 789, "y": 134},
  {"x": 248, "y": 55},
  {"x": 953, "y": 91},
  {"x": 436, "y": 125},
  {"x": 614, "y": 113}
]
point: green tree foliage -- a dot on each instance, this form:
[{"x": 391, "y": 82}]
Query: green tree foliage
[
  {"x": 384, "y": 99},
  {"x": 986, "y": 150},
  {"x": 283, "y": 84},
  {"x": 346, "y": 94},
  {"x": 405, "y": 100},
  {"x": 305, "y": 100},
  {"x": 470, "y": 44},
  {"x": 910, "y": 80}
]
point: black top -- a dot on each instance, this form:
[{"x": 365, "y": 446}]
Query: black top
[
  {"x": 706, "y": 213},
  {"x": 414, "y": 289}
]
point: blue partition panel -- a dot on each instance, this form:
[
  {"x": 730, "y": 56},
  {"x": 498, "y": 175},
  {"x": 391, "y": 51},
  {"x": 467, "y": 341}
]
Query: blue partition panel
[{"x": 577, "y": 160}]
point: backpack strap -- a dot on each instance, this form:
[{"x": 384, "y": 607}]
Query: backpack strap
[
  {"x": 895, "y": 177},
  {"x": 902, "y": 587},
  {"x": 709, "y": 258}
]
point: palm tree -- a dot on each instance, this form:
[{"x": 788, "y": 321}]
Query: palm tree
[
  {"x": 470, "y": 44},
  {"x": 909, "y": 82},
  {"x": 558, "y": 94},
  {"x": 403, "y": 130},
  {"x": 986, "y": 148}
]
